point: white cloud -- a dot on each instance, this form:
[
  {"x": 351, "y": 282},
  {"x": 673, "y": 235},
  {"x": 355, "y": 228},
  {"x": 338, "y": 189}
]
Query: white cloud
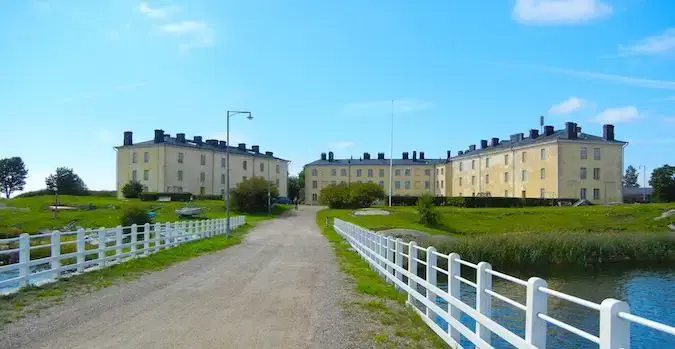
[
  {"x": 559, "y": 11},
  {"x": 380, "y": 108},
  {"x": 196, "y": 33},
  {"x": 567, "y": 106},
  {"x": 658, "y": 44},
  {"x": 341, "y": 145},
  {"x": 157, "y": 12},
  {"x": 619, "y": 114}
]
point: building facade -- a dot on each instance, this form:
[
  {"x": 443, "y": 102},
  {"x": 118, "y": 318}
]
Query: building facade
[
  {"x": 176, "y": 164},
  {"x": 563, "y": 163}
]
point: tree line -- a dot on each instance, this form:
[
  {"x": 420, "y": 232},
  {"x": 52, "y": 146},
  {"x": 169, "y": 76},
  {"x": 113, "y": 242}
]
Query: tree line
[{"x": 64, "y": 180}]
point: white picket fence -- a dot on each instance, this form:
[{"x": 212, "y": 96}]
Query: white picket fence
[
  {"x": 95, "y": 248},
  {"x": 398, "y": 262}
]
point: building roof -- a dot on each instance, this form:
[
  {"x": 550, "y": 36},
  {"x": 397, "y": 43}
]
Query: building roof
[
  {"x": 637, "y": 191},
  {"x": 377, "y": 162},
  {"x": 526, "y": 141},
  {"x": 192, "y": 144}
]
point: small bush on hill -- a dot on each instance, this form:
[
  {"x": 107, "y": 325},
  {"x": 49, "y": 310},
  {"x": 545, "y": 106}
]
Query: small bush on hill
[
  {"x": 132, "y": 189},
  {"x": 428, "y": 214},
  {"x": 250, "y": 195},
  {"x": 355, "y": 195},
  {"x": 134, "y": 215}
]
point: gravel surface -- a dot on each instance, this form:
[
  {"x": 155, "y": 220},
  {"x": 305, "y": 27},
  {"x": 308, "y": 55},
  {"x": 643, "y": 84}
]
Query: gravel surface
[{"x": 280, "y": 288}]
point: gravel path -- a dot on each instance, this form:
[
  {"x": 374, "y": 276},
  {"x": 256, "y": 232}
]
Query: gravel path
[{"x": 280, "y": 288}]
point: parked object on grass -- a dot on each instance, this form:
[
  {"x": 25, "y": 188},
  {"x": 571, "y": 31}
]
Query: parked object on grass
[{"x": 189, "y": 211}]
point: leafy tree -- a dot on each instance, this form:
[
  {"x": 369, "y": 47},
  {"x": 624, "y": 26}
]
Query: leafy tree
[
  {"x": 13, "y": 175},
  {"x": 365, "y": 194},
  {"x": 428, "y": 214},
  {"x": 134, "y": 215},
  {"x": 301, "y": 184},
  {"x": 630, "y": 179},
  {"x": 335, "y": 196},
  {"x": 293, "y": 187},
  {"x": 355, "y": 195},
  {"x": 250, "y": 195},
  {"x": 66, "y": 182},
  {"x": 132, "y": 189},
  {"x": 663, "y": 183}
]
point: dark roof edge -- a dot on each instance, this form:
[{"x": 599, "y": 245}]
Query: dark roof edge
[{"x": 206, "y": 147}]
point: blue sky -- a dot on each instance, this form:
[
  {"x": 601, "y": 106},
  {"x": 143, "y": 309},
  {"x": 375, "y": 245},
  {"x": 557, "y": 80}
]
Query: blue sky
[{"x": 320, "y": 75}]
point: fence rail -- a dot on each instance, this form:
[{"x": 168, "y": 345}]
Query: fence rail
[
  {"x": 390, "y": 257},
  {"x": 49, "y": 256}
]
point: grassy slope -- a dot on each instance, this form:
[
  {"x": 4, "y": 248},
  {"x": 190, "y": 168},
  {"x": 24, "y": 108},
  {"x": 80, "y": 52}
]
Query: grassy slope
[
  {"x": 400, "y": 327},
  {"x": 107, "y": 213},
  {"x": 31, "y": 300}
]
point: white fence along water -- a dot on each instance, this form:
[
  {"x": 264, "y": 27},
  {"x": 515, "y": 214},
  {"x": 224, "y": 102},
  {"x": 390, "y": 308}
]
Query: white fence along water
[
  {"x": 399, "y": 262},
  {"x": 40, "y": 258}
]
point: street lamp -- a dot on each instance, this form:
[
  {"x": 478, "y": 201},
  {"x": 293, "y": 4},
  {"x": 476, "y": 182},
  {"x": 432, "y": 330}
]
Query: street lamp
[{"x": 227, "y": 175}]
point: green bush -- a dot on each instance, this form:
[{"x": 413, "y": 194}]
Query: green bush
[
  {"x": 478, "y": 201},
  {"x": 151, "y": 196},
  {"x": 428, "y": 214},
  {"x": 134, "y": 215},
  {"x": 355, "y": 195},
  {"x": 336, "y": 196},
  {"x": 132, "y": 189},
  {"x": 251, "y": 194}
]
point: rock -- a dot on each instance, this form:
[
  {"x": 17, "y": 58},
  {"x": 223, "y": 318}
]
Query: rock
[{"x": 664, "y": 215}]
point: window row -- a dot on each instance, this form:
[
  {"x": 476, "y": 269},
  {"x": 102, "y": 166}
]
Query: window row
[
  {"x": 583, "y": 194},
  {"x": 583, "y": 153},
  {"x": 523, "y": 158},
  {"x": 371, "y": 172}
]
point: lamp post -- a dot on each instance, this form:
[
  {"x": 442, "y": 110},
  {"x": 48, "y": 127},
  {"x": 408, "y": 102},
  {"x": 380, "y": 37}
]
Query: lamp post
[{"x": 227, "y": 165}]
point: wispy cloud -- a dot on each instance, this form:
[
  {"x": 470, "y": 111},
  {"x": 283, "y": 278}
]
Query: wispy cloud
[
  {"x": 619, "y": 114},
  {"x": 628, "y": 80},
  {"x": 555, "y": 12},
  {"x": 341, "y": 145},
  {"x": 157, "y": 12},
  {"x": 663, "y": 43},
  {"x": 196, "y": 33},
  {"x": 567, "y": 106},
  {"x": 383, "y": 107}
]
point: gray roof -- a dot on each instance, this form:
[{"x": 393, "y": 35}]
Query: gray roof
[
  {"x": 559, "y": 134},
  {"x": 377, "y": 162},
  {"x": 191, "y": 144},
  {"x": 637, "y": 191}
]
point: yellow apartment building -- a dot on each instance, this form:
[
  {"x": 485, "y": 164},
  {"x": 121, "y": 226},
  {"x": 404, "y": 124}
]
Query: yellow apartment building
[
  {"x": 177, "y": 164},
  {"x": 564, "y": 163}
]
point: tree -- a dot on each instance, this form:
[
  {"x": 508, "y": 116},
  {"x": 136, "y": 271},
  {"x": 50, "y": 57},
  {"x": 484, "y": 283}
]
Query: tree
[
  {"x": 66, "y": 182},
  {"x": 293, "y": 187},
  {"x": 355, "y": 195},
  {"x": 250, "y": 195},
  {"x": 132, "y": 189},
  {"x": 13, "y": 175},
  {"x": 428, "y": 214},
  {"x": 663, "y": 183},
  {"x": 630, "y": 179},
  {"x": 301, "y": 184}
]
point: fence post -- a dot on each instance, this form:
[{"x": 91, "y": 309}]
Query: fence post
[
  {"x": 55, "y": 261},
  {"x": 101, "y": 247},
  {"x": 118, "y": 242},
  {"x": 81, "y": 247},
  {"x": 146, "y": 238},
  {"x": 158, "y": 236},
  {"x": 398, "y": 259},
  {"x": 390, "y": 257},
  {"x": 431, "y": 278},
  {"x": 614, "y": 331},
  {"x": 454, "y": 269},
  {"x": 537, "y": 303},
  {"x": 483, "y": 300},
  {"x": 24, "y": 258},
  {"x": 134, "y": 238},
  {"x": 169, "y": 235},
  {"x": 383, "y": 254},
  {"x": 412, "y": 269}
]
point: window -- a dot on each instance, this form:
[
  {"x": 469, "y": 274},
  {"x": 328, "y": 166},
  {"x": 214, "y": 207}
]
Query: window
[
  {"x": 134, "y": 158},
  {"x": 438, "y": 184},
  {"x": 397, "y": 172},
  {"x": 146, "y": 157},
  {"x": 262, "y": 167},
  {"x": 381, "y": 173},
  {"x": 333, "y": 172},
  {"x": 278, "y": 169},
  {"x": 427, "y": 185},
  {"x": 542, "y": 193},
  {"x": 523, "y": 156},
  {"x": 582, "y": 193},
  {"x": 407, "y": 172},
  {"x": 441, "y": 184},
  {"x": 382, "y": 184},
  {"x": 523, "y": 175},
  {"x": 223, "y": 162},
  {"x": 314, "y": 197},
  {"x": 343, "y": 182},
  {"x": 222, "y": 191},
  {"x": 245, "y": 165},
  {"x": 506, "y": 193},
  {"x": 583, "y": 153},
  {"x": 596, "y": 194},
  {"x": 427, "y": 172},
  {"x": 487, "y": 179},
  {"x": 277, "y": 182},
  {"x": 441, "y": 171},
  {"x": 146, "y": 175},
  {"x": 222, "y": 178},
  {"x": 506, "y": 159},
  {"x": 202, "y": 177},
  {"x": 473, "y": 180},
  {"x": 180, "y": 158},
  {"x": 542, "y": 154},
  {"x": 243, "y": 178},
  {"x": 314, "y": 172},
  {"x": 203, "y": 158},
  {"x": 460, "y": 181},
  {"x": 343, "y": 172},
  {"x": 582, "y": 173},
  {"x": 202, "y": 190},
  {"x": 370, "y": 172},
  {"x": 542, "y": 173},
  {"x": 461, "y": 166},
  {"x": 359, "y": 172},
  {"x": 437, "y": 172},
  {"x": 487, "y": 162},
  {"x": 596, "y": 174},
  {"x": 179, "y": 176},
  {"x": 397, "y": 184},
  {"x": 314, "y": 185},
  {"x": 506, "y": 177},
  {"x": 596, "y": 153},
  {"x": 407, "y": 185},
  {"x": 473, "y": 164},
  {"x": 134, "y": 175}
]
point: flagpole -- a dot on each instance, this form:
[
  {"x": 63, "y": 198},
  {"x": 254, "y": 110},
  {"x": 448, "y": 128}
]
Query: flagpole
[{"x": 391, "y": 153}]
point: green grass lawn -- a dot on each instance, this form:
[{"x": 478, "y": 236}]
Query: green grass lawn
[{"x": 107, "y": 213}]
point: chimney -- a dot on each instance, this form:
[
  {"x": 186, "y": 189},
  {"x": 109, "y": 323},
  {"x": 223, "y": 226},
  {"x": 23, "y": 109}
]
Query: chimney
[
  {"x": 534, "y": 134},
  {"x": 366, "y": 156},
  {"x": 222, "y": 144},
  {"x": 331, "y": 156},
  {"x": 495, "y": 141},
  {"x": 414, "y": 155},
  {"x": 608, "y": 132},
  {"x": 472, "y": 147},
  {"x": 269, "y": 153},
  {"x": 159, "y": 136},
  {"x": 198, "y": 139},
  {"x": 483, "y": 143},
  {"x": 380, "y": 156},
  {"x": 242, "y": 146},
  {"x": 212, "y": 142},
  {"x": 180, "y": 137},
  {"x": 323, "y": 156},
  {"x": 578, "y": 130},
  {"x": 405, "y": 155},
  {"x": 460, "y": 153},
  {"x": 255, "y": 148},
  {"x": 449, "y": 154},
  {"x": 421, "y": 155},
  {"x": 128, "y": 138},
  {"x": 548, "y": 130},
  {"x": 571, "y": 130}
]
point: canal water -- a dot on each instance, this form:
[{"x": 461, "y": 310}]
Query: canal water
[{"x": 650, "y": 293}]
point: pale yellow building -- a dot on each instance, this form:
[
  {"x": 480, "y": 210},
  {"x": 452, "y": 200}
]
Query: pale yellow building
[
  {"x": 563, "y": 163},
  {"x": 177, "y": 164}
]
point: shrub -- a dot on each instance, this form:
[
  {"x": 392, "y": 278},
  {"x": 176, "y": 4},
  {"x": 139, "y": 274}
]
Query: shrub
[
  {"x": 428, "y": 215},
  {"x": 132, "y": 189},
  {"x": 250, "y": 195},
  {"x": 355, "y": 195},
  {"x": 151, "y": 196},
  {"x": 478, "y": 201},
  {"x": 335, "y": 196},
  {"x": 134, "y": 215},
  {"x": 208, "y": 197}
]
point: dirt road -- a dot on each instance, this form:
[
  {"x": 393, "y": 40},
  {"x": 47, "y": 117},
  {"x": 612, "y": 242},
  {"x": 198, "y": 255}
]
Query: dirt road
[{"x": 279, "y": 289}]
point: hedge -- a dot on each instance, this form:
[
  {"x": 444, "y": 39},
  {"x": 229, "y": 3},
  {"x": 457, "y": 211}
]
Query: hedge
[
  {"x": 477, "y": 201},
  {"x": 151, "y": 196},
  {"x": 208, "y": 197}
]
